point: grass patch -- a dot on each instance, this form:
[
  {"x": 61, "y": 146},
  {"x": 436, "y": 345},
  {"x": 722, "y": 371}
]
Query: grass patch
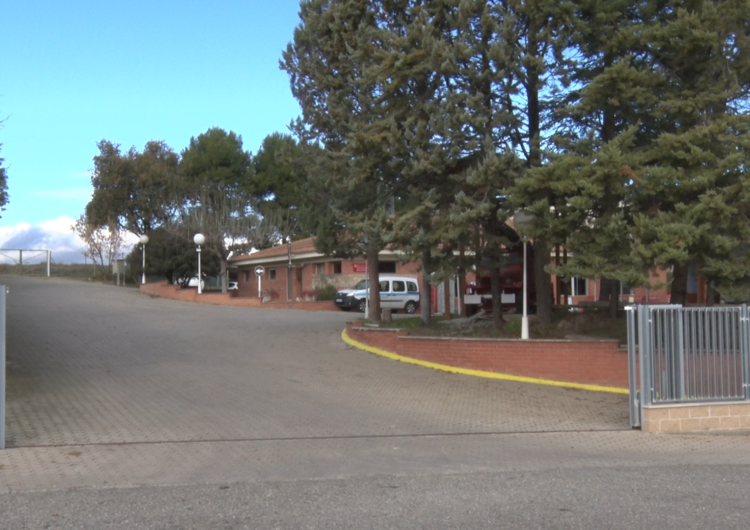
[{"x": 73, "y": 271}]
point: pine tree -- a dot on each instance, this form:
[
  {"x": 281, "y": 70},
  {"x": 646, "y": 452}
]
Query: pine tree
[
  {"x": 327, "y": 61},
  {"x": 3, "y": 186},
  {"x": 581, "y": 194},
  {"x": 693, "y": 204},
  {"x": 507, "y": 62}
]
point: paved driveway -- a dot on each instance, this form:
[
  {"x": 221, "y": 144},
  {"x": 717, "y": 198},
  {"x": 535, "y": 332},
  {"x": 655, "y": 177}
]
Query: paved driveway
[
  {"x": 95, "y": 364},
  {"x": 131, "y": 412}
]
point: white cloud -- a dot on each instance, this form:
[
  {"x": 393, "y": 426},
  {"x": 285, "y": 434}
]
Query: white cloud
[{"x": 54, "y": 235}]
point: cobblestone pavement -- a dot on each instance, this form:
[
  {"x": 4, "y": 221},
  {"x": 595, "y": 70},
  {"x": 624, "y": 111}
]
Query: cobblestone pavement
[{"x": 107, "y": 387}]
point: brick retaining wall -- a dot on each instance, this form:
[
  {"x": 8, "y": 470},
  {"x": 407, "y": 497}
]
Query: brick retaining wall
[{"x": 588, "y": 362}]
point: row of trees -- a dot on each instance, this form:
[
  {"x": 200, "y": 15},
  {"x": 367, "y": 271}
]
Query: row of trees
[
  {"x": 3, "y": 182},
  {"x": 213, "y": 186},
  {"x": 622, "y": 126}
]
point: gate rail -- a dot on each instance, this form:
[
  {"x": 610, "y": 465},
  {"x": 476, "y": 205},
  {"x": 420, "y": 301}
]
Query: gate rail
[{"x": 687, "y": 355}]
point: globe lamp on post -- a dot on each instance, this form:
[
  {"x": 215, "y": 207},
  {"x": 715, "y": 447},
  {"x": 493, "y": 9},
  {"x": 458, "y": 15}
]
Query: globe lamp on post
[
  {"x": 524, "y": 220},
  {"x": 199, "y": 239},
  {"x": 143, "y": 240}
]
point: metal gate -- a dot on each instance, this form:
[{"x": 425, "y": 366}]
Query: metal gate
[
  {"x": 3, "y": 291},
  {"x": 687, "y": 355}
]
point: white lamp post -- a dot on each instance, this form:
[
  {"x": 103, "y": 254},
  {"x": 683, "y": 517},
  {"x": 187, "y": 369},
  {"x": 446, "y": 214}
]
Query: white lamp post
[
  {"x": 143, "y": 240},
  {"x": 199, "y": 239},
  {"x": 524, "y": 220}
]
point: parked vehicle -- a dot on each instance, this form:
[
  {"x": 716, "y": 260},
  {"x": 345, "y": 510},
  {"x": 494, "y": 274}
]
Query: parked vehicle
[
  {"x": 396, "y": 293},
  {"x": 193, "y": 282},
  {"x": 479, "y": 293}
]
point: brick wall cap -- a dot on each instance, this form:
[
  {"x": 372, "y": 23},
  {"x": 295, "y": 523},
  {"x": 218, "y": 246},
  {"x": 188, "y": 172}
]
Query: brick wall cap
[
  {"x": 357, "y": 326},
  {"x": 695, "y": 404},
  {"x": 488, "y": 339}
]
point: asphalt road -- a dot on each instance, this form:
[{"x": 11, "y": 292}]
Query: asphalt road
[{"x": 131, "y": 412}]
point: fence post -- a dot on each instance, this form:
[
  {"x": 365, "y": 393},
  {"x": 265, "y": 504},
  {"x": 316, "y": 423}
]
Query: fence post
[
  {"x": 2, "y": 366},
  {"x": 635, "y": 409},
  {"x": 644, "y": 348},
  {"x": 745, "y": 349},
  {"x": 680, "y": 379}
]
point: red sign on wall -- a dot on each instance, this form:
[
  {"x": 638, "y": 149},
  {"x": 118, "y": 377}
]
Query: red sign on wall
[{"x": 359, "y": 266}]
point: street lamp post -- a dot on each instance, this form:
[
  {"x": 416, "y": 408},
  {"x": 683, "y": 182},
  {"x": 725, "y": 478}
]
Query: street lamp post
[
  {"x": 144, "y": 240},
  {"x": 524, "y": 220},
  {"x": 199, "y": 239}
]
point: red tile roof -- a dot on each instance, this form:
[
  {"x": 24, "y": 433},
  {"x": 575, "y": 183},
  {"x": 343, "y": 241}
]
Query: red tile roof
[{"x": 303, "y": 246}]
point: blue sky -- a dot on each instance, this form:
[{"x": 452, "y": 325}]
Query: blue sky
[{"x": 75, "y": 72}]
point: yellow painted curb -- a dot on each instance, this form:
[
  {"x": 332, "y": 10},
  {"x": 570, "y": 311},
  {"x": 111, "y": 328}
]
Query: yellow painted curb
[{"x": 479, "y": 373}]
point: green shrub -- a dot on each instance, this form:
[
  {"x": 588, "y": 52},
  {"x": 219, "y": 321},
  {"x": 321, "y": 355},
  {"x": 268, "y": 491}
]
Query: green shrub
[
  {"x": 326, "y": 293},
  {"x": 513, "y": 326}
]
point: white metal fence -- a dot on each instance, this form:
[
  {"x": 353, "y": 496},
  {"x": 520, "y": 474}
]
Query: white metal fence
[
  {"x": 2, "y": 366},
  {"x": 687, "y": 355}
]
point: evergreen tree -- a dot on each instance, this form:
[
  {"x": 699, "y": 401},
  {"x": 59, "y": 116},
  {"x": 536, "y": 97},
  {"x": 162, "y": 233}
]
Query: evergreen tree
[
  {"x": 581, "y": 195},
  {"x": 134, "y": 191},
  {"x": 278, "y": 180},
  {"x": 216, "y": 177},
  {"x": 170, "y": 254},
  {"x": 405, "y": 128},
  {"x": 505, "y": 61},
  {"x": 327, "y": 61},
  {"x": 692, "y": 193},
  {"x": 3, "y": 186}
]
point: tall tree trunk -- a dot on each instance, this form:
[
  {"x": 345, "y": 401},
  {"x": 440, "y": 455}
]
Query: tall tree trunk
[
  {"x": 447, "y": 298},
  {"x": 223, "y": 271},
  {"x": 542, "y": 282},
  {"x": 497, "y": 302},
  {"x": 426, "y": 294},
  {"x": 614, "y": 299},
  {"x": 462, "y": 279},
  {"x": 712, "y": 295},
  {"x": 679, "y": 284},
  {"x": 609, "y": 291},
  {"x": 373, "y": 277}
]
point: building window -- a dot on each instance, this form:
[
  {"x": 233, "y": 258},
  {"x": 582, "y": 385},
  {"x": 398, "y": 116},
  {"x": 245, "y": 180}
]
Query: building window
[
  {"x": 385, "y": 267},
  {"x": 247, "y": 276},
  {"x": 337, "y": 267},
  {"x": 320, "y": 268},
  {"x": 271, "y": 274},
  {"x": 580, "y": 287}
]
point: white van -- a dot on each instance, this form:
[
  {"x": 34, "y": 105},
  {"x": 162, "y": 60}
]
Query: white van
[{"x": 396, "y": 293}]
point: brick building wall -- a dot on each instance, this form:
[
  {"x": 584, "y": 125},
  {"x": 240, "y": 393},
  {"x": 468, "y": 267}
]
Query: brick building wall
[{"x": 310, "y": 276}]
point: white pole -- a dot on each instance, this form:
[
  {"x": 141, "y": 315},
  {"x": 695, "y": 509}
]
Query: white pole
[
  {"x": 200, "y": 291},
  {"x": 48, "y": 262},
  {"x": 367, "y": 292},
  {"x": 525, "y": 316},
  {"x": 143, "y": 278}
]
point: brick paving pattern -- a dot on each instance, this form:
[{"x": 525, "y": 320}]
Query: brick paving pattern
[{"x": 109, "y": 387}]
